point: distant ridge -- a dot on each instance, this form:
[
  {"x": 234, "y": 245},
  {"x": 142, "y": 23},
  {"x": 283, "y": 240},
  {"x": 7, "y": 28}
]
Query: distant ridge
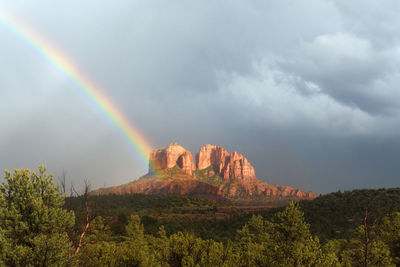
[{"x": 216, "y": 175}]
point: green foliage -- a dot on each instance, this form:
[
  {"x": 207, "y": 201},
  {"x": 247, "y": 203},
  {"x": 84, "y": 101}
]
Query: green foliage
[
  {"x": 334, "y": 215},
  {"x": 176, "y": 213},
  {"x": 102, "y": 253},
  {"x": 285, "y": 241},
  {"x": 184, "y": 249},
  {"x": 133, "y": 203},
  {"x": 337, "y": 215},
  {"x": 170, "y": 173},
  {"x": 101, "y": 250},
  {"x": 136, "y": 250},
  {"x": 32, "y": 222},
  {"x": 352, "y": 252},
  {"x": 390, "y": 234},
  {"x": 141, "y": 230},
  {"x": 202, "y": 175},
  {"x": 99, "y": 231}
]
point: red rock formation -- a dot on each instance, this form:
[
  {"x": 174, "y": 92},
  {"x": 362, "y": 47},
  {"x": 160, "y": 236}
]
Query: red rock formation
[
  {"x": 168, "y": 157},
  {"x": 230, "y": 166},
  {"x": 210, "y": 155},
  {"x": 182, "y": 184},
  {"x": 230, "y": 175},
  {"x": 185, "y": 162},
  {"x": 239, "y": 175}
]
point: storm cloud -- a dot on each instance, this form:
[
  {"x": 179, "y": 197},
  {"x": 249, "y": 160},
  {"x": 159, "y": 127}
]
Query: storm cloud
[{"x": 307, "y": 90}]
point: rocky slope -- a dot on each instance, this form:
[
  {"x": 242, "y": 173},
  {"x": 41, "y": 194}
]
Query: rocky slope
[{"x": 216, "y": 174}]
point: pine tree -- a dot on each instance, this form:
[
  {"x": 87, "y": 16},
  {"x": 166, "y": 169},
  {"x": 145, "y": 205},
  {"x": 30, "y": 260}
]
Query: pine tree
[
  {"x": 32, "y": 221},
  {"x": 284, "y": 241},
  {"x": 390, "y": 234},
  {"x": 135, "y": 250}
]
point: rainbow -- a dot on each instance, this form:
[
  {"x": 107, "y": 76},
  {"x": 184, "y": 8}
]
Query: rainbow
[{"x": 65, "y": 66}]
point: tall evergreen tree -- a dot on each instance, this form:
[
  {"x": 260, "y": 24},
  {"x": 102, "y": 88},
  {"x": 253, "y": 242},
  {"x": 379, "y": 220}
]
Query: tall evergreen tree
[
  {"x": 286, "y": 241},
  {"x": 32, "y": 221},
  {"x": 390, "y": 234}
]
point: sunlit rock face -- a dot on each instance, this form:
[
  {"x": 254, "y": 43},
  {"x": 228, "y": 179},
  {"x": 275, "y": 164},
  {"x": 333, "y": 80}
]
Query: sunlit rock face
[
  {"x": 210, "y": 155},
  {"x": 230, "y": 166},
  {"x": 170, "y": 156},
  {"x": 216, "y": 174}
]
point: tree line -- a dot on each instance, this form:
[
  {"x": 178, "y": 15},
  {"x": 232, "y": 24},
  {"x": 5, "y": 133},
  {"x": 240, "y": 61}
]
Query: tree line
[{"x": 37, "y": 229}]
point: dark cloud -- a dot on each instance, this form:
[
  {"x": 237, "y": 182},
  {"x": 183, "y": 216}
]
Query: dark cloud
[
  {"x": 350, "y": 70},
  {"x": 307, "y": 91}
]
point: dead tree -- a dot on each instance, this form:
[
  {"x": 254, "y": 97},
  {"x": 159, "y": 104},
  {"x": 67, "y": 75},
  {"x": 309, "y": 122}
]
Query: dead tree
[
  {"x": 63, "y": 182},
  {"x": 89, "y": 209},
  {"x": 89, "y": 216}
]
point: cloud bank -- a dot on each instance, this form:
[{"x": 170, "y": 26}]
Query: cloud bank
[{"x": 308, "y": 91}]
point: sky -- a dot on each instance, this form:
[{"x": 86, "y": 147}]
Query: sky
[{"x": 307, "y": 90}]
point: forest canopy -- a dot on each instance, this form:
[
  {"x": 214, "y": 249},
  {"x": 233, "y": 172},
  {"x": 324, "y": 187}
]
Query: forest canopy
[{"x": 39, "y": 226}]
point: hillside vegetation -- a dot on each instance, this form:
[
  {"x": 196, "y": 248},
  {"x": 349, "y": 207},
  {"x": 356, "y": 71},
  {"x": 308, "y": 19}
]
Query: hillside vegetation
[
  {"x": 336, "y": 215},
  {"x": 39, "y": 227}
]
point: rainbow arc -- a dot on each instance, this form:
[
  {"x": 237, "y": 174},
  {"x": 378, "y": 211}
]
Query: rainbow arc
[{"x": 63, "y": 64}]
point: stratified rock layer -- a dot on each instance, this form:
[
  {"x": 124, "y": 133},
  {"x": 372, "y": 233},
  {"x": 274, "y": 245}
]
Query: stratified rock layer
[{"x": 217, "y": 173}]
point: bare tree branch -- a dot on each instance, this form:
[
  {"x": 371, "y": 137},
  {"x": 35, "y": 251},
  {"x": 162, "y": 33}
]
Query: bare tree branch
[{"x": 88, "y": 216}]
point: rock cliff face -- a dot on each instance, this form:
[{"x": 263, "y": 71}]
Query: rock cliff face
[
  {"x": 217, "y": 174},
  {"x": 168, "y": 157},
  {"x": 230, "y": 166},
  {"x": 210, "y": 155},
  {"x": 185, "y": 162}
]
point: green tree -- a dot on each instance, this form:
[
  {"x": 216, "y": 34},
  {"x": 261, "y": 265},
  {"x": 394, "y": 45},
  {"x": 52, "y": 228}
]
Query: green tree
[
  {"x": 99, "y": 248},
  {"x": 102, "y": 253},
  {"x": 185, "y": 249},
  {"x": 285, "y": 241},
  {"x": 160, "y": 246},
  {"x": 293, "y": 240},
  {"x": 352, "y": 252},
  {"x": 390, "y": 234},
  {"x": 32, "y": 221},
  {"x": 135, "y": 250},
  {"x": 255, "y": 243}
]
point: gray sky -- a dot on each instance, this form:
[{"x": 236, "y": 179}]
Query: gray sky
[{"x": 307, "y": 90}]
